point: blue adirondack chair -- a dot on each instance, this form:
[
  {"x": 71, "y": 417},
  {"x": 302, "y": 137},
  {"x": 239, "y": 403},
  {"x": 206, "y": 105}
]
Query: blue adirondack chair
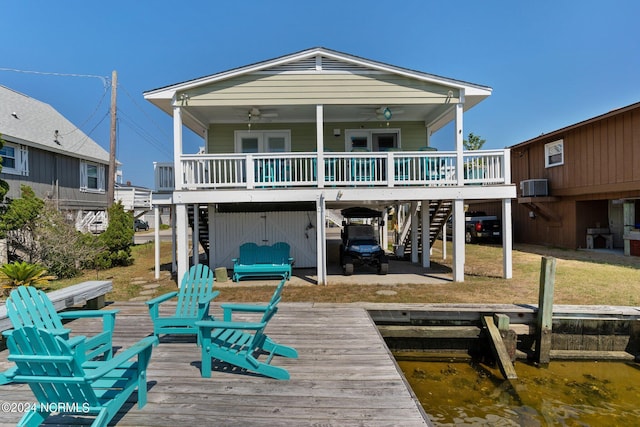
[
  {"x": 242, "y": 343},
  {"x": 194, "y": 296},
  {"x": 28, "y": 306},
  {"x": 63, "y": 382}
]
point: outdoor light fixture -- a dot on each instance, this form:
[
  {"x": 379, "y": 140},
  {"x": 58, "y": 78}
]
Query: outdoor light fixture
[{"x": 387, "y": 113}]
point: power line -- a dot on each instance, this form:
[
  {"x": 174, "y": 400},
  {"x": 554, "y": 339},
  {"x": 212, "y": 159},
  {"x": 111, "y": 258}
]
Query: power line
[{"x": 104, "y": 80}]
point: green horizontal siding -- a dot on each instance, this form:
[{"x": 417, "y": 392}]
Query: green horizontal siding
[
  {"x": 303, "y": 135},
  {"x": 320, "y": 88}
]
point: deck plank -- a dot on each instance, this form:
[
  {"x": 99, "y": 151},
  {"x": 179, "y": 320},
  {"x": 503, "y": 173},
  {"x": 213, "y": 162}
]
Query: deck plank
[{"x": 344, "y": 376}]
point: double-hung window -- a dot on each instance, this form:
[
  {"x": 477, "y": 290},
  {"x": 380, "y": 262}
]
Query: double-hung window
[
  {"x": 554, "y": 153},
  {"x": 92, "y": 177},
  {"x": 15, "y": 159}
]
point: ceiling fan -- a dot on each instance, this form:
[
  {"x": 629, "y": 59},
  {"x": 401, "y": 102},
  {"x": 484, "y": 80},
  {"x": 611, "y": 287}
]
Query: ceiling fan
[{"x": 256, "y": 114}]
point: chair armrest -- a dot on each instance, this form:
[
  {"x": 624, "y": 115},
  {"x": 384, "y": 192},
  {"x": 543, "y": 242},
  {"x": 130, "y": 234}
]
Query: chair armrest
[
  {"x": 80, "y": 314},
  {"x": 228, "y": 309},
  {"x": 217, "y": 324},
  {"x": 108, "y": 317},
  {"x": 204, "y": 303},
  {"x": 123, "y": 356},
  {"x": 162, "y": 298},
  {"x": 209, "y": 297}
]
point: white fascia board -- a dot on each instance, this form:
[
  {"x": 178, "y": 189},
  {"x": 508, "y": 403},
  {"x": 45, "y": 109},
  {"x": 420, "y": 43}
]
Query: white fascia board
[{"x": 342, "y": 195}]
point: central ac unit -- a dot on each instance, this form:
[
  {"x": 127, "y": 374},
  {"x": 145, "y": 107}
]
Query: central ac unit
[{"x": 534, "y": 188}]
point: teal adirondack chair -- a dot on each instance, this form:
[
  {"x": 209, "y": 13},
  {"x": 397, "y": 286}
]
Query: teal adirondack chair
[
  {"x": 241, "y": 343},
  {"x": 194, "y": 297},
  {"x": 28, "y": 306},
  {"x": 63, "y": 382}
]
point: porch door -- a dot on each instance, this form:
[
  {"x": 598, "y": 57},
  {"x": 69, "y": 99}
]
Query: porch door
[
  {"x": 616, "y": 223},
  {"x": 263, "y": 141}
]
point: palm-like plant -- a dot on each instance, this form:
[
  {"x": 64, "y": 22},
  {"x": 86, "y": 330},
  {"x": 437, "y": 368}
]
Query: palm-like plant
[{"x": 22, "y": 273}]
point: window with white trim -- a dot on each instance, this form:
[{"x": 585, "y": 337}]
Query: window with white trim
[
  {"x": 554, "y": 153},
  {"x": 92, "y": 177},
  {"x": 268, "y": 141},
  {"x": 15, "y": 159}
]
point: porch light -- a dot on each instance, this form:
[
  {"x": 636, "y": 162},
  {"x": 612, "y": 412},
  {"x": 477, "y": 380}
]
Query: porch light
[{"x": 387, "y": 113}]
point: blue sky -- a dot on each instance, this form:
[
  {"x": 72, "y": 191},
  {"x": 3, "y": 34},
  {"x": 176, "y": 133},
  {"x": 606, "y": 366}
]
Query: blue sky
[{"x": 550, "y": 63}]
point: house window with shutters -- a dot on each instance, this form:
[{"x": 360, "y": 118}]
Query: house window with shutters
[
  {"x": 15, "y": 159},
  {"x": 92, "y": 177},
  {"x": 554, "y": 153}
]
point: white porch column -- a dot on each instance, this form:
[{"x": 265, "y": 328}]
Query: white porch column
[
  {"x": 384, "y": 241},
  {"x": 459, "y": 137},
  {"x": 177, "y": 146},
  {"x": 414, "y": 232},
  {"x": 629, "y": 221},
  {"x": 182, "y": 237},
  {"x": 211, "y": 212},
  {"x": 458, "y": 240},
  {"x": 321, "y": 242},
  {"x": 156, "y": 238},
  {"x": 426, "y": 247},
  {"x": 320, "y": 144},
  {"x": 507, "y": 237},
  {"x": 444, "y": 241},
  {"x": 174, "y": 237},
  {"x": 195, "y": 236}
]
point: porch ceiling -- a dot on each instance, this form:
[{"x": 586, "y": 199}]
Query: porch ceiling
[{"x": 307, "y": 113}]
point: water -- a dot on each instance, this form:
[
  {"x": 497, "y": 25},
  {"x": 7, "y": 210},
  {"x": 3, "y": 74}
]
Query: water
[{"x": 565, "y": 393}]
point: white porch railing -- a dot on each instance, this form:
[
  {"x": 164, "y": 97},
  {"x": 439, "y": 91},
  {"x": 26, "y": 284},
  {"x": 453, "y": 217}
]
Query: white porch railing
[{"x": 297, "y": 169}]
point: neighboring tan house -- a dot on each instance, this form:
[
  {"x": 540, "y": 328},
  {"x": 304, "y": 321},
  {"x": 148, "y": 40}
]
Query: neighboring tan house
[
  {"x": 56, "y": 159},
  {"x": 579, "y": 186},
  {"x": 267, "y": 126}
]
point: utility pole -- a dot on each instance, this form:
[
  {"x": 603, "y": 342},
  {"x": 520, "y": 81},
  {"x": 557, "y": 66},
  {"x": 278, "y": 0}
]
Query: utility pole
[{"x": 111, "y": 180}]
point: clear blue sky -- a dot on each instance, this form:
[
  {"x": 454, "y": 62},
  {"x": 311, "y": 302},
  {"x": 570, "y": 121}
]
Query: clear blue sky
[{"x": 551, "y": 63}]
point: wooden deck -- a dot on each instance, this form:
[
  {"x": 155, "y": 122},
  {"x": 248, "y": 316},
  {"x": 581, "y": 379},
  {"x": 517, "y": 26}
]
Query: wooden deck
[{"x": 344, "y": 376}]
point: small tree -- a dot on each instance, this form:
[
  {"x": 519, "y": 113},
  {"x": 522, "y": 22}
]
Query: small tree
[
  {"x": 117, "y": 239},
  {"x": 18, "y": 223},
  {"x": 60, "y": 247},
  {"x": 474, "y": 142}
]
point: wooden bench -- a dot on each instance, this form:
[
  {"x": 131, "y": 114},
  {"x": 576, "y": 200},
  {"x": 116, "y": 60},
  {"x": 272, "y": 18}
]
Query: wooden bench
[
  {"x": 91, "y": 294},
  {"x": 263, "y": 261}
]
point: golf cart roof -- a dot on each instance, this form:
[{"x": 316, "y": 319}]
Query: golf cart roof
[{"x": 360, "y": 212}]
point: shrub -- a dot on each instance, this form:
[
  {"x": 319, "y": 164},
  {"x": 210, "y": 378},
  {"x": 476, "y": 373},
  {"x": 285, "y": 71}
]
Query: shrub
[{"x": 20, "y": 273}]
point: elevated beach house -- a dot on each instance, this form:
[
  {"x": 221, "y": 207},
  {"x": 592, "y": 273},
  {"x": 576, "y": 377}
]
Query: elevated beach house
[
  {"x": 290, "y": 142},
  {"x": 48, "y": 153}
]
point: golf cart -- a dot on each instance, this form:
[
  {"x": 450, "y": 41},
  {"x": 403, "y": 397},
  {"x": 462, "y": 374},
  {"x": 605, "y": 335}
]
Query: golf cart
[{"x": 359, "y": 241}]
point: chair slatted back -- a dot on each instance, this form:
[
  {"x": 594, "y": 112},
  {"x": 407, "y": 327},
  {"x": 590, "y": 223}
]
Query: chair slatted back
[
  {"x": 52, "y": 370},
  {"x": 281, "y": 252},
  {"x": 197, "y": 285},
  {"x": 272, "y": 307},
  {"x": 28, "y": 306},
  {"x": 249, "y": 253}
]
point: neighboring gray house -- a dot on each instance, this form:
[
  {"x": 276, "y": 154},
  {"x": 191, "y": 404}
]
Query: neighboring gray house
[{"x": 55, "y": 158}]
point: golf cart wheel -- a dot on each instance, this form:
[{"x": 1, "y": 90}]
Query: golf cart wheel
[
  {"x": 347, "y": 266},
  {"x": 383, "y": 268}
]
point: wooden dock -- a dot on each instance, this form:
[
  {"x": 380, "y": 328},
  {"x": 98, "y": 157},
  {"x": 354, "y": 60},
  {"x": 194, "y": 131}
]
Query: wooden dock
[{"x": 344, "y": 376}]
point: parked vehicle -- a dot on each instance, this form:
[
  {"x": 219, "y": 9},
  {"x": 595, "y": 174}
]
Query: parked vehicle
[
  {"x": 140, "y": 224},
  {"x": 359, "y": 243},
  {"x": 479, "y": 227}
]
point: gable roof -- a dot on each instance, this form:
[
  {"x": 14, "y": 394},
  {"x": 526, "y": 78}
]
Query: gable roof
[
  {"x": 559, "y": 132},
  {"x": 318, "y": 60},
  {"x": 25, "y": 120}
]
